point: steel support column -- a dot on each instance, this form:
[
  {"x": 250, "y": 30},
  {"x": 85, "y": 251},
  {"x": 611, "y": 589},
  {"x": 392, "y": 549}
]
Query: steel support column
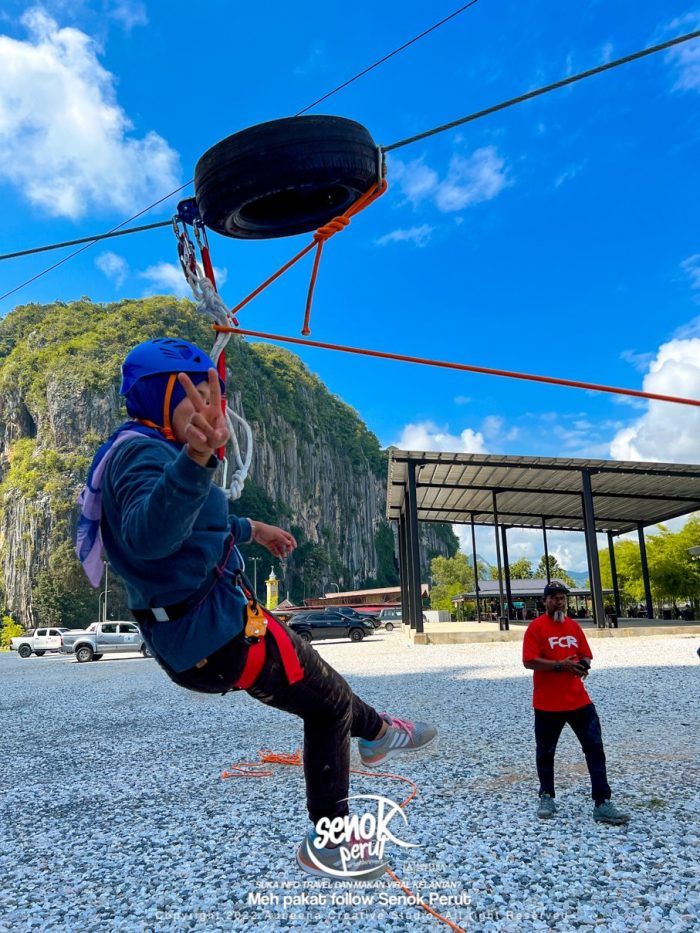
[
  {"x": 592, "y": 548},
  {"x": 613, "y": 571},
  {"x": 506, "y": 570},
  {"x": 546, "y": 552},
  {"x": 476, "y": 572},
  {"x": 645, "y": 571},
  {"x": 403, "y": 569},
  {"x": 498, "y": 553},
  {"x": 414, "y": 586}
]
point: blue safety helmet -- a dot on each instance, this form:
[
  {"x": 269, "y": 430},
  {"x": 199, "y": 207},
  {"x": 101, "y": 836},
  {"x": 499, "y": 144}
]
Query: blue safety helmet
[{"x": 163, "y": 355}]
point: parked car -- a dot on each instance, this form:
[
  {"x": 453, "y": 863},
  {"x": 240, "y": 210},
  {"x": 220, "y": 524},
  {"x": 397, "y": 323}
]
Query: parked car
[
  {"x": 316, "y": 624},
  {"x": 102, "y": 638},
  {"x": 357, "y": 614},
  {"x": 38, "y": 642},
  {"x": 390, "y": 617}
]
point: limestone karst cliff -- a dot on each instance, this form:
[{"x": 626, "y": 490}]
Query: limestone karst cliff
[{"x": 316, "y": 468}]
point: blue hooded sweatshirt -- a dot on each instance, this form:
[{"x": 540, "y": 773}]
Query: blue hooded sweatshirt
[{"x": 164, "y": 524}]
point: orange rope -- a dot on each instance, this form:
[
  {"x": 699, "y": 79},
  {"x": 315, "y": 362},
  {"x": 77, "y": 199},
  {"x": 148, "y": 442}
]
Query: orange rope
[
  {"x": 463, "y": 367},
  {"x": 323, "y": 234},
  {"x": 265, "y": 756}
]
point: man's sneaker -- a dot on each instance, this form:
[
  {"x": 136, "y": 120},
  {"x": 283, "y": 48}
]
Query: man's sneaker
[
  {"x": 350, "y": 861},
  {"x": 607, "y": 812},
  {"x": 401, "y": 736},
  {"x": 547, "y": 807}
]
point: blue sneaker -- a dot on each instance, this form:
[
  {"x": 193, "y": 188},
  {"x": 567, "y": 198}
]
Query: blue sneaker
[{"x": 401, "y": 736}]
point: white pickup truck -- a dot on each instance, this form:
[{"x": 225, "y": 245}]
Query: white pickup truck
[
  {"x": 102, "y": 638},
  {"x": 38, "y": 642}
]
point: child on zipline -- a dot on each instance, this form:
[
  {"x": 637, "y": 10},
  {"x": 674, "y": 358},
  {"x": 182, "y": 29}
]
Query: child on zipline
[{"x": 150, "y": 500}]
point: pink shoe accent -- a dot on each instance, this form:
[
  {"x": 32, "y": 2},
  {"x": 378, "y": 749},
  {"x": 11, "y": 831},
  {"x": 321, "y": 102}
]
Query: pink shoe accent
[{"x": 404, "y": 724}]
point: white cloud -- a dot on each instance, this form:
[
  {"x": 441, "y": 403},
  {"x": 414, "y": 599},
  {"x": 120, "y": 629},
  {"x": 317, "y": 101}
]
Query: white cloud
[
  {"x": 686, "y": 57},
  {"x": 688, "y": 331},
  {"x": 461, "y": 399},
  {"x": 691, "y": 267},
  {"x": 419, "y": 236},
  {"x": 640, "y": 361},
  {"x": 426, "y": 435},
  {"x": 569, "y": 174},
  {"x": 666, "y": 432},
  {"x": 167, "y": 279},
  {"x": 493, "y": 427},
  {"x": 469, "y": 180},
  {"x": 569, "y": 547},
  {"x": 415, "y": 179},
  {"x": 115, "y": 267},
  {"x": 64, "y": 140},
  {"x": 128, "y": 13}
]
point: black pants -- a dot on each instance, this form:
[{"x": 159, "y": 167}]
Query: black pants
[
  {"x": 330, "y": 711},
  {"x": 586, "y": 726}
]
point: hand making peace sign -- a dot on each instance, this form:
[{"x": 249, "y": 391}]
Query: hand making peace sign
[{"x": 198, "y": 420}]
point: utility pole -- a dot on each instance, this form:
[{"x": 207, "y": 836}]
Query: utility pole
[
  {"x": 255, "y": 575},
  {"x": 106, "y": 590}
]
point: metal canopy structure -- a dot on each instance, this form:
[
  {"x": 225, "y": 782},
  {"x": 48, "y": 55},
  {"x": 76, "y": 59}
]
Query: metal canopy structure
[{"x": 533, "y": 492}]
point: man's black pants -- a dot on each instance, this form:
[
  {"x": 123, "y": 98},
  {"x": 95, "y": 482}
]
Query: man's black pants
[
  {"x": 586, "y": 725},
  {"x": 330, "y": 711}
]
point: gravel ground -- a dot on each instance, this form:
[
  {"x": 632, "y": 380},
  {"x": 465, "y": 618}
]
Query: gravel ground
[{"x": 115, "y": 816}]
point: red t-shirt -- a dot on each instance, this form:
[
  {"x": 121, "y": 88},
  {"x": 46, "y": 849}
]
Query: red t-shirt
[{"x": 556, "y": 691}]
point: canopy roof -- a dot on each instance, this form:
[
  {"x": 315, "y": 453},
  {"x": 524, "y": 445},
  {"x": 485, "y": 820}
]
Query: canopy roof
[
  {"x": 452, "y": 487},
  {"x": 488, "y": 589}
]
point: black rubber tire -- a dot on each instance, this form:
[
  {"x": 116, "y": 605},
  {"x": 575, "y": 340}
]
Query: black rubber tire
[
  {"x": 40, "y": 654},
  {"x": 24, "y": 651},
  {"x": 356, "y": 634},
  {"x": 97, "y": 657},
  {"x": 305, "y": 636},
  {"x": 389, "y": 627},
  {"x": 84, "y": 653},
  {"x": 145, "y": 653},
  {"x": 284, "y": 177}
]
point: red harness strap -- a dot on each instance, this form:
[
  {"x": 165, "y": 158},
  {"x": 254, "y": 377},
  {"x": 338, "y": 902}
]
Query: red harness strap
[{"x": 256, "y": 656}]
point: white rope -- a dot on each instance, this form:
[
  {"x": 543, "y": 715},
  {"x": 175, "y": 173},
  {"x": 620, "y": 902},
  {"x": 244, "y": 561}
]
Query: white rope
[{"x": 209, "y": 302}]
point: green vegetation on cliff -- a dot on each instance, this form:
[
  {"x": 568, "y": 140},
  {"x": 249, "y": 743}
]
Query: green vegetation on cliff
[{"x": 59, "y": 380}]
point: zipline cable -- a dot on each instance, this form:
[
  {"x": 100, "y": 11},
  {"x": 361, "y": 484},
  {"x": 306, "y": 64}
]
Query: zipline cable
[
  {"x": 386, "y": 58},
  {"x": 544, "y": 90},
  {"x": 87, "y": 239},
  {"x": 463, "y": 367},
  {"x": 91, "y": 240},
  {"x": 89, "y": 244},
  {"x": 397, "y": 145}
]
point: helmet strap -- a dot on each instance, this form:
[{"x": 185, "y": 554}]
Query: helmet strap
[{"x": 166, "y": 428}]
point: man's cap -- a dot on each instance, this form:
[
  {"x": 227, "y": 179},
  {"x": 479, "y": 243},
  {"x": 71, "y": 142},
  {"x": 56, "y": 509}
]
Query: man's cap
[{"x": 554, "y": 587}]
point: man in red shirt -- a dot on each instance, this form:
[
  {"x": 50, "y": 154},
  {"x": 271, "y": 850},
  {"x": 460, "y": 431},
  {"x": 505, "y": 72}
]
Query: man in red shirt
[{"x": 556, "y": 649}]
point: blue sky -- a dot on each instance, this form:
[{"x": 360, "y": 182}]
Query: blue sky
[{"x": 558, "y": 237}]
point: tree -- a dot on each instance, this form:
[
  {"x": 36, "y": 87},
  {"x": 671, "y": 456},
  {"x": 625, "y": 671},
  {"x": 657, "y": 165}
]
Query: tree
[
  {"x": 521, "y": 569},
  {"x": 673, "y": 573},
  {"x": 451, "y": 576},
  {"x": 9, "y": 629},
  {"x": 556, "y": 572}
]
